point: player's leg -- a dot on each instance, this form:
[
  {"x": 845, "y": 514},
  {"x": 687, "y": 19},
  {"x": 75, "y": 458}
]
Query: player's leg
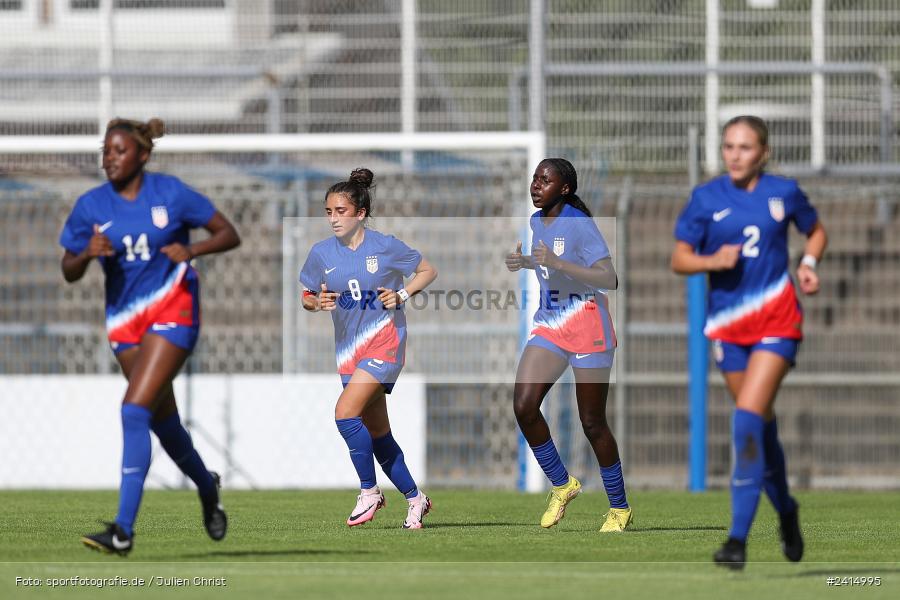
[
  {"x": 360, "y": 390},
  {"x": 538, "y": 370},
  {"x": 389, "y": 455},
  {"x": 763, "y": 375},
  {"x": 155, "y": 364},
  {"x": 591, "y": 391}
]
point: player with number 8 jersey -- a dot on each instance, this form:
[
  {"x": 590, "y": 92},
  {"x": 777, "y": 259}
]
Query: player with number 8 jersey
[{"x": 357, "y": 275}]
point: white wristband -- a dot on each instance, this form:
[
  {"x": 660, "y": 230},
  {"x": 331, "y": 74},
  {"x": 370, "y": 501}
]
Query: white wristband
[
  {"x": 810, "y": 261},
  {"x": 403, "y": 294}
]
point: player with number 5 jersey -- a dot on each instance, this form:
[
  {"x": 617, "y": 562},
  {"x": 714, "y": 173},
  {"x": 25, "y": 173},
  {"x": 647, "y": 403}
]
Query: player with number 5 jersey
[
  {"x": 357, "y": 275},
  {"x": 735, "y": 228},
  {"x": 137, "y": 226}
]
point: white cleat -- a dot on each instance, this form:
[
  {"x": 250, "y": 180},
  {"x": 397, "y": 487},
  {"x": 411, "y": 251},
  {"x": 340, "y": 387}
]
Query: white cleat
[
  {"x": 418, "y": 508},
  {"x": 367, "y": 504}
]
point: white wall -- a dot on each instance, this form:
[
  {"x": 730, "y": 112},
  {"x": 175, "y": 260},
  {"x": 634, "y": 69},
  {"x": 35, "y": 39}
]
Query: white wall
[{"x": 65, "y": 431}]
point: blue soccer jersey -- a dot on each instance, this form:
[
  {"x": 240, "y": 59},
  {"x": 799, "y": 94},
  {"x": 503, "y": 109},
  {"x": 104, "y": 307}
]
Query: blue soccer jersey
[
  {"x": 363, "y": 328},
  {"x": 571, "y": 314},
  {"x": 142, "y": 283},
  {"x": 756, "y": 298}
]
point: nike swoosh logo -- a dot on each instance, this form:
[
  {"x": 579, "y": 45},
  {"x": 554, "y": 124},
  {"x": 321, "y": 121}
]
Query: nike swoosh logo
[
  {"x": 770, "y": 340},
  {"x": 105, "y": 226},
  {"x": 375, "y": 366},
  {"x": 740, "y": 482},
  {"x": 162, "y": 326},
  {"x": 582, "y": 355},
  {"x": 718, "y": 216},
  {"x": 119, "y": 544},
  {"x": 327, "y": 271},
  {"x": 130, "y": 470}
]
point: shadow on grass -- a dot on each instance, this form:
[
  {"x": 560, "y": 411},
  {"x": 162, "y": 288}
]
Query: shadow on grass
[
  {"x": 701, "y": 528},
  {"x": 464, "y": 525},
  {"x": 251, "y": 553}
]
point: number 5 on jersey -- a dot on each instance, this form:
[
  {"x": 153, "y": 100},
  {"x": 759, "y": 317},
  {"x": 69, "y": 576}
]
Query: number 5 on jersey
[{"x": 142, "y": 247}]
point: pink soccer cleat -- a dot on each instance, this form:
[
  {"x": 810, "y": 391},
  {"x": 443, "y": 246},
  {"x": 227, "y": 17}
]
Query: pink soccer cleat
[{"x": 367, "y": 504}]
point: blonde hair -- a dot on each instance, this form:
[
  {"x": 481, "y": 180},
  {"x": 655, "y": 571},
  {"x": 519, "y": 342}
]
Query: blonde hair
[{"x": 140, "y": 132}]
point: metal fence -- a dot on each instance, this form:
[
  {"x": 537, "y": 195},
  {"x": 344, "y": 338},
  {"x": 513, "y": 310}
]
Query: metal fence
[
  {"x": 838, "y": 410},
  {"x": 336, "y": 66}
]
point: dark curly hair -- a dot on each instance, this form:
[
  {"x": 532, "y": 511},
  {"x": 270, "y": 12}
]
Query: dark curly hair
[{"x": 358, "y": 188}]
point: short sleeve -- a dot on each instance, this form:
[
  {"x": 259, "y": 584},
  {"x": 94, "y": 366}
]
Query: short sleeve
[
  {"x": 804, "y": 214},
  {"x": 402, "y": 257},
  {"x": 691, "y": 224},
  {"x": 311, "y": 275},
  {"x": 591, "y": 245},
  {"x": 79, "y": 227},
  {"x": 196, "y": 209}
]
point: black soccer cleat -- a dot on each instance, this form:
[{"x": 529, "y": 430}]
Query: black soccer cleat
[
  {"x": 214, "y": 518},
  {"x": 791, "y": 539},
  {"x": 112, "y": 540},
  {"x": 732, "y": 554}
]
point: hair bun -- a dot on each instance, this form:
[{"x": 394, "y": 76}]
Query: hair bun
[
  {"x": 155, "y": 128},
  {"x": 362, "y": 176}
]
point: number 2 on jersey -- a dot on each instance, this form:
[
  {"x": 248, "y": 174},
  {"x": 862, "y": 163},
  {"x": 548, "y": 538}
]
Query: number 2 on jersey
[
  {"x": 750, "y": 249},
  {"x": 142, "y": 247}
]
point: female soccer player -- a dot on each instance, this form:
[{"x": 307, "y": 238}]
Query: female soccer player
[
  {"x": 357, "y": 276},
  {"x": 137, "y": 226},
  {"x": 572, "y": 326},
  {"x": 735, "y": 227}
]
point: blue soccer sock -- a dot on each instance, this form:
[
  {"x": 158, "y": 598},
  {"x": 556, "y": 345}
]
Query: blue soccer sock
[
  {"x": 360, "y": 444},
  {"x": 176, "y": 441},
  {"x": 551, "y": 463},
  {"x": 615, "y": 485},
  {"x": 775, "y": 481},
  {"x": 390, "y": 456},
  {"x": 135, "y": 463},
  {"x": 749, "y": 466}
]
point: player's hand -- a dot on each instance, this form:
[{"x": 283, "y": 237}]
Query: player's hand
[
  {"x": 389, "y": 298},
  {"x": 542, "y": 255},
  {"x": 515, "y": 260},
  {"x": 808, "y": 280},
  {"x": 327, "y": 300},
  {"x": 726, "y": 257},
  {"x": 99, "y": 244},
  {"x": 177, "y": 253}
]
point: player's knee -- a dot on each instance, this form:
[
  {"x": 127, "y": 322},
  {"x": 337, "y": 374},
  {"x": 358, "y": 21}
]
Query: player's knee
[
  {"x": 595, "y": 429},
  {"x": 526, "y": 407}
]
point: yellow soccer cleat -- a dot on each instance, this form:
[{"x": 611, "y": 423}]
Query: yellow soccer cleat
[
  {"x": 617, "y": 519},
  {"x": 559, "y": 498}
]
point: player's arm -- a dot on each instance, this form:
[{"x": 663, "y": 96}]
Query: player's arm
[
  {"x": 421, "y": 279},
  {"x": 223, "y": 237},
  {"x": 75, "y": 265},
  {"x": 685, "y": 261},
  {"x": 600, "y": 275},
  {"x": 816, "y": 241}
]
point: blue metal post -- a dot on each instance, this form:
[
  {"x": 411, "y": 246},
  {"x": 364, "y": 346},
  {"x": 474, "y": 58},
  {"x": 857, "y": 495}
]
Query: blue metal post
[{"x": 698, "y": 361}]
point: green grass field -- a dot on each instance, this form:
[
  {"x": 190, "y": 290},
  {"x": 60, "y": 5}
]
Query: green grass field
[{"x": 476, "y": 545}]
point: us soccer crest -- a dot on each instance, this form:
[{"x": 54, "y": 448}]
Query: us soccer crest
[
  {"x": 371, "y": 264},
  {"x": 776, "y": 209},
  {"x": 559, "y": 246},
  {"x": 160, "y": 216}
]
